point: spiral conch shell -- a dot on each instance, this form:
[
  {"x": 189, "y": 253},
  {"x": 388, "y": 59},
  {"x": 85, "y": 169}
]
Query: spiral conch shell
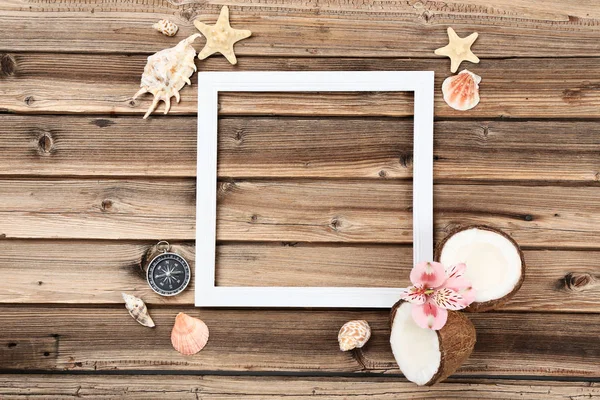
[
  {"x": 167, "y": 71},
  {"x": 138, "y": 310},
  {"x": 189, "y": 335},
  {"x": 166, "y": 27},
  {"x": 354, "y": 335},
  {"x": 461, "y": 91}
]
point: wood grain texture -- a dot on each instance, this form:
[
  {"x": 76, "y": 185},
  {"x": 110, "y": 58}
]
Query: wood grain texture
[
  {"x": 97, "y": 272},
  {"x": 305, "y": 27},
  {"x": 302, "y": 210},
  {"x": 144, "y": 387},
  {"x": 104, "y": 84},
  {"x": 299, "y": 147},
  {"x": 80, "y": 339}
]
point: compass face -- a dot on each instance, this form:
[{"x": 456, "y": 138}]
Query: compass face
[{"x": 168, "y": 274}]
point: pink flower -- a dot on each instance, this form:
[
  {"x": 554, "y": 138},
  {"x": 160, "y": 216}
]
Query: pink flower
[{"x": 436, "y": 290}]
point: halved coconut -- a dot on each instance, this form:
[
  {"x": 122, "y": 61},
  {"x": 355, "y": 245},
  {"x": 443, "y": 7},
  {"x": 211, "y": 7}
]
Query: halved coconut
[
  {"x": 425, "y": 356},
  {"x": 495, "y": 263}
]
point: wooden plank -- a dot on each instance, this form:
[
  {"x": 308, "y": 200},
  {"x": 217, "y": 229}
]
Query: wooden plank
[
  {"x": 75, "y": 272},
  {"x": 300, "y": 210},
  {"x": 145, "y": 387},
  {"x": 97, "y": 339},
  {"x": 299, "y": 28},
  {"x": 299, "y": 147},
  {"x": 104, "y": 84}
]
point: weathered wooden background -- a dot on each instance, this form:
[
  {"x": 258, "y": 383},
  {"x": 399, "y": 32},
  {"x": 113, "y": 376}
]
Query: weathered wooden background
[{"x": 313, "y": 190}]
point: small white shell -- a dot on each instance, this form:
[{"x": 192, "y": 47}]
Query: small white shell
[
  {"x": 354, "y": 335},
  {"x": 137, "y": 309},
  {"x": 461, "y": 91},
  {"x": 167, "y": 72},
  {"x": 166, "y": 27}
]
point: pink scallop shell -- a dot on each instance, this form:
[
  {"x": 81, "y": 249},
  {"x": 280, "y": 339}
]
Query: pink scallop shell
[
  {"x": 461, "y": 91},
  {"x": 189, "y": 335}
]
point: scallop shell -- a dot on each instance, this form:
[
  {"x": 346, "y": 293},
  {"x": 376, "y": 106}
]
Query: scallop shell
[
  {"x": 189, "y": 335},
  {"x": 138, "y": 310},
  {"x": 166, "y": 27},
  {"x": 461, "y": 91},
  {"x": 354, "y": 335},
  {"x": 167, "y": 71}
]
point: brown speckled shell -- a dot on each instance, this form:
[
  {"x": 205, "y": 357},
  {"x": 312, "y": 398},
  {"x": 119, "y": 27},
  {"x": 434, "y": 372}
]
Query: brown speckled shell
[
  {"x": 354, "y": 335},
  {"x": 166, "y": 27}
]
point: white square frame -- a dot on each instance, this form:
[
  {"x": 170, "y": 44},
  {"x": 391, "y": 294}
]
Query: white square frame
[{"x": 209, "y": 86}]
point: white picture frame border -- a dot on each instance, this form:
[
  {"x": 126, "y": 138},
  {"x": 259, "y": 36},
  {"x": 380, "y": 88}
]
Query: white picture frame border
[{"x": 209, "y": 86}]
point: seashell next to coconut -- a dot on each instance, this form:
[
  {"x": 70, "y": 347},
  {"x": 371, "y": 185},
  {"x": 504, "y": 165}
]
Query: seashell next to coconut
[
  {"x": 495, "y": 263},
  {"x": 168, "y": 71},
  {"x": 189, "y": 334},
  {"x": 166, "y": 27},
  {"x": 138, "y": 310},
  {"x": 425, "y": 356},
  {"x": 461, "y": 92},
  {"x": 354, "y": 335}
]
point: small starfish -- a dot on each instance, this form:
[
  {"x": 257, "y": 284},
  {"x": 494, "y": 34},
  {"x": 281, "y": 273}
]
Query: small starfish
[
  {"x": 221, "y": 37},
  {"x": 459, "y": 49}
]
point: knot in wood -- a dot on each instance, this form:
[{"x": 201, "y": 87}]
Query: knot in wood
[
  {"x": 45, "y": 143},
  {"x": 226, "y": 186},
  {"x": 239, "y": 135},
  {"x": 335, "y": 223},
  {"x": 8, "y": 65},
  {"x": 578, "y": 282},
  {"x": 406, "y": 159},
  {"x": 485, "y": 131},
  {"x": 102, "y": 123},
  {"x": 106, "y": 205}
]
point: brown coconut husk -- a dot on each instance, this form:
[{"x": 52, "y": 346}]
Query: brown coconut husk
[
  {"x": 491, "y": 304},
  {"x": 456, "y": 340}
]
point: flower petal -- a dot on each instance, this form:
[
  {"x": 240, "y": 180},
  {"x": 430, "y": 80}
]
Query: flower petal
[
  {"x": 429, "y": 316},
  {"x": 462, "y": 286},
  {"x": 414, "y": 294},
  {"x": 468, "y": 296},
  {"x": 448, "y": 299},
  {"x": 456, "y": 271},
  {"x": 457, "y": 284},
  {"x": 428, "y": 274}
]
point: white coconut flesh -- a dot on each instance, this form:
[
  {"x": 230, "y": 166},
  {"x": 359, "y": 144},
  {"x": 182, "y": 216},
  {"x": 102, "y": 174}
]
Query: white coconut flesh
[
  {"x": 416, "y": 350},
  {"x": 494, "y": 265}
]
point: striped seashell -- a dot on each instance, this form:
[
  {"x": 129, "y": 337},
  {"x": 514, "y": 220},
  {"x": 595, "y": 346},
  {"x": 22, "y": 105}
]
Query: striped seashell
[
  {"x": 354, "y": 335},
  {"x": 189, "y": 335},
  {"x": 138, "y": 310},
  {"x": 166, "y": 27}
]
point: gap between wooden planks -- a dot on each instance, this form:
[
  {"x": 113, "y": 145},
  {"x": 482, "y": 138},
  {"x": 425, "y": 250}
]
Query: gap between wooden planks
[
  {"x": 145, "y": 387},
  {"x": 295, "y": 147},
  {"x": 105, "y": 84},
  {"x": 300, "y": 210},
  {"x": 310, "y": 28},
  {"x": 87, "y": 338},
  {"x": 96, "y": 272}
]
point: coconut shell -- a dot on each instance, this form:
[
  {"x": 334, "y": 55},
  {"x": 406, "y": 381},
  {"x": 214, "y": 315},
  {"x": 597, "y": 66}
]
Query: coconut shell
[
  {"x": 456, "y": 339},
  {"x": 491, "y": 304}
]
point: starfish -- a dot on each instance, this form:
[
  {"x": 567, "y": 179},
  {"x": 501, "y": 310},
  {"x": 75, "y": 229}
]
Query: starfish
[
  {"x": 221, "y": 37},
  {"x": 459, "y": 49}
]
